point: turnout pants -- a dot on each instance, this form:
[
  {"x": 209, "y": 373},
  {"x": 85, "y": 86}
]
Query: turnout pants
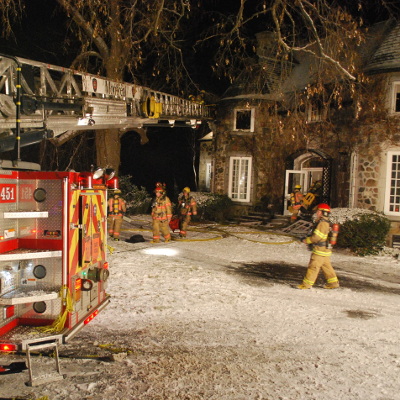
[
  {"x": 315, "y": 265},
  {"x": 114, "y": 223},
  {"x": 183, "y": 224},
  {"x": 160, "y": 226}
]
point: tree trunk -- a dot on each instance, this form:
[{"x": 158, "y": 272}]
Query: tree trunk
[{"x": 108, "y": 148}]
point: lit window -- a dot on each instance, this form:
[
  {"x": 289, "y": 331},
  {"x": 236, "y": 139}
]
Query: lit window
[
  {"x": 239, "y": 178},
  {"x": 392, "y": 198},
  {"x": 244, "y": 120}
]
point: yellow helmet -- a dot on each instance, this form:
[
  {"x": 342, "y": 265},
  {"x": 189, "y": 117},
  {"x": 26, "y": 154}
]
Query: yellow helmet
[
  {"x": 186, "y": 189},
  {"x": 297, "y": 187}
]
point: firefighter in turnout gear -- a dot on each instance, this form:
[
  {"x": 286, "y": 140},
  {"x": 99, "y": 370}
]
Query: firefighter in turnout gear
[
  {"x": 161, "y": 212},
  {"x": 116, "y": 209},
  {"x": 321, "y": 253},
  {"x": 187, "y": 207},
  {"x": 296, "y": 201}
]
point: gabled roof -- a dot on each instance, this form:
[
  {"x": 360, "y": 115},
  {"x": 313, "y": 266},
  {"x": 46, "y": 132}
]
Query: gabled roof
[{"x": 385, "y": 57}]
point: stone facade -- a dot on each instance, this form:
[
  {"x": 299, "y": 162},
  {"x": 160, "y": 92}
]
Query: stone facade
[{"x": 357, "y": 148}]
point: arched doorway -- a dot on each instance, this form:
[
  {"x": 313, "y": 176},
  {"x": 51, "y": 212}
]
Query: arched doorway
[{"x": 304, "y": 167}]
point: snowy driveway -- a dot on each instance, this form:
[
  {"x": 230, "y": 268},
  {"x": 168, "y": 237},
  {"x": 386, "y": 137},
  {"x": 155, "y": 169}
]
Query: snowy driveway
[{"x": 217, "y": 317}]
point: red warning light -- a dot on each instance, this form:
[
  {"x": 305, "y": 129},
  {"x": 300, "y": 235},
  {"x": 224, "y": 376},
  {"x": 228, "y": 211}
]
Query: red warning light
[
  {"x": 6, "y": 347},
  {"x": 90, "y": 317}
]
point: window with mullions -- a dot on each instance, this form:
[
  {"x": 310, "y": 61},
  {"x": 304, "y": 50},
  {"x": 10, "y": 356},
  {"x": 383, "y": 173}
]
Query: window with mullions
[
  {"x": 314, "y": 113},
  {"x": 392, "y": 198},
  {"x": 239, "y": 178}
]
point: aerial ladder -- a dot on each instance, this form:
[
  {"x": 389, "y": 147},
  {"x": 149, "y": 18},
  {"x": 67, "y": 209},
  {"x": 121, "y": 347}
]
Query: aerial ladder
[{"x": 42, "y": 101}]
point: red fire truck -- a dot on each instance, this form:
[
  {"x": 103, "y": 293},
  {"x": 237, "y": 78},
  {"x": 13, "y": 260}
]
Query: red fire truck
[{"x": 53, "y": 268}]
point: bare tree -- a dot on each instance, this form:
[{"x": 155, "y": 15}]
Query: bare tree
[
  {"x": 327, "y": 29},
  {"x": 123, "y": 36},
  {"x": 155, "y": 43}
]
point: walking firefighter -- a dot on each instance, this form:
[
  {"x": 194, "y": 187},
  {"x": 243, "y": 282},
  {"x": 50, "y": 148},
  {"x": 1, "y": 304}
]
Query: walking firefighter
[
  {"x": 116, "y": 210},
  {"x": 161, "y": 213},
  {"x": 187, "y": 207},
  {"x": 296, "y": 201},
  {"x": 320, "y": 241}
]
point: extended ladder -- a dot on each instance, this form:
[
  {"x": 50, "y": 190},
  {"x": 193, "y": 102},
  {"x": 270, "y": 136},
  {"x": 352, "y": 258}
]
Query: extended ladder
[{"x": 43, "y": 101}]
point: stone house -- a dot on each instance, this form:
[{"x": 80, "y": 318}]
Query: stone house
[{"x": 265, "y": 141}]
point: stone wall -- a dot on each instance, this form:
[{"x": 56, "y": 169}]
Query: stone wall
[{"x": 369, "y": 169}]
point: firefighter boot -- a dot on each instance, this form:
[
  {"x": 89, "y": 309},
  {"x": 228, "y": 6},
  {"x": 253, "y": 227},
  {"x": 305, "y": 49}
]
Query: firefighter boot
[
  {"x": 303, "y": 286},
  {"x": 331, "y": 285},
  {"x": 155, "y": 241}
]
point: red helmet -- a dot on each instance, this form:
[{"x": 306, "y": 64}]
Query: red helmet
[
  {"x": 324, "y": 207},
  {"x": 160, "y": 187}
]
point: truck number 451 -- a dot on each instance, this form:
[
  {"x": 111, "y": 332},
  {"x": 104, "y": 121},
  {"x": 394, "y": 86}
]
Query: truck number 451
[{"x": 7, "y": 193}]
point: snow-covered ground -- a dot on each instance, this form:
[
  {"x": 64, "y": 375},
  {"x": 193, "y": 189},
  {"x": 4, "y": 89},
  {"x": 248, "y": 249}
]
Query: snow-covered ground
[{"x": 218, "y": 317}]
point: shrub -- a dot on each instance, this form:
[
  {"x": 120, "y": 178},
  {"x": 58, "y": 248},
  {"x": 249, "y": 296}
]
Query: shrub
[
  {"x": 364, "y": 233},
  {"x": 212, "y": 207},
  {"x": 137, "y": 199}
]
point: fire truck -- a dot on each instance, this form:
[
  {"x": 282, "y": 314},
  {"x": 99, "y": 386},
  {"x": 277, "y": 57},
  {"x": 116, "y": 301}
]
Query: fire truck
[
  {"x": 53, "y": 235},
  {"x": 53, "y": 268}
]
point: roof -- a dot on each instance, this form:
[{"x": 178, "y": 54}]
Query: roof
[
  {"x": 262, "y": 79},
  {"x": 386, "y": 57},
  {"x": 380, "y": 52}
]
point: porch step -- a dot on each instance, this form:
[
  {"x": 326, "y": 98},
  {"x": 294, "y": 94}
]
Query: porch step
[
  {"x": 261, "y": 218},
  {"x": 278, "y": 222}
]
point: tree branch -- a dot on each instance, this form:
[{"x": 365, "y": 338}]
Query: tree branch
[{"x": 86, "y": 27}]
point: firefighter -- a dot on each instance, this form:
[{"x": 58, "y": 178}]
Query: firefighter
[
  {"x": 296, "y": 201},
  {"x": 321, "y": 253},
  {"x": 187, "y": 207},
  {"x": 310, "y": 200},
  {"x": 161, "y": 212},
  {"x": 116, "y": 210}
]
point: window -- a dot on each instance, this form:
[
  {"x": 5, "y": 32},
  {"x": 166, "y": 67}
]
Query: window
[
  {"x": 392, "y": 198},
  {"x": 239, "y": 178},
  {"x": 244, "y": 120},
  {"x": 314, "y": 112},
  {"x": 396, "y": 97}
]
